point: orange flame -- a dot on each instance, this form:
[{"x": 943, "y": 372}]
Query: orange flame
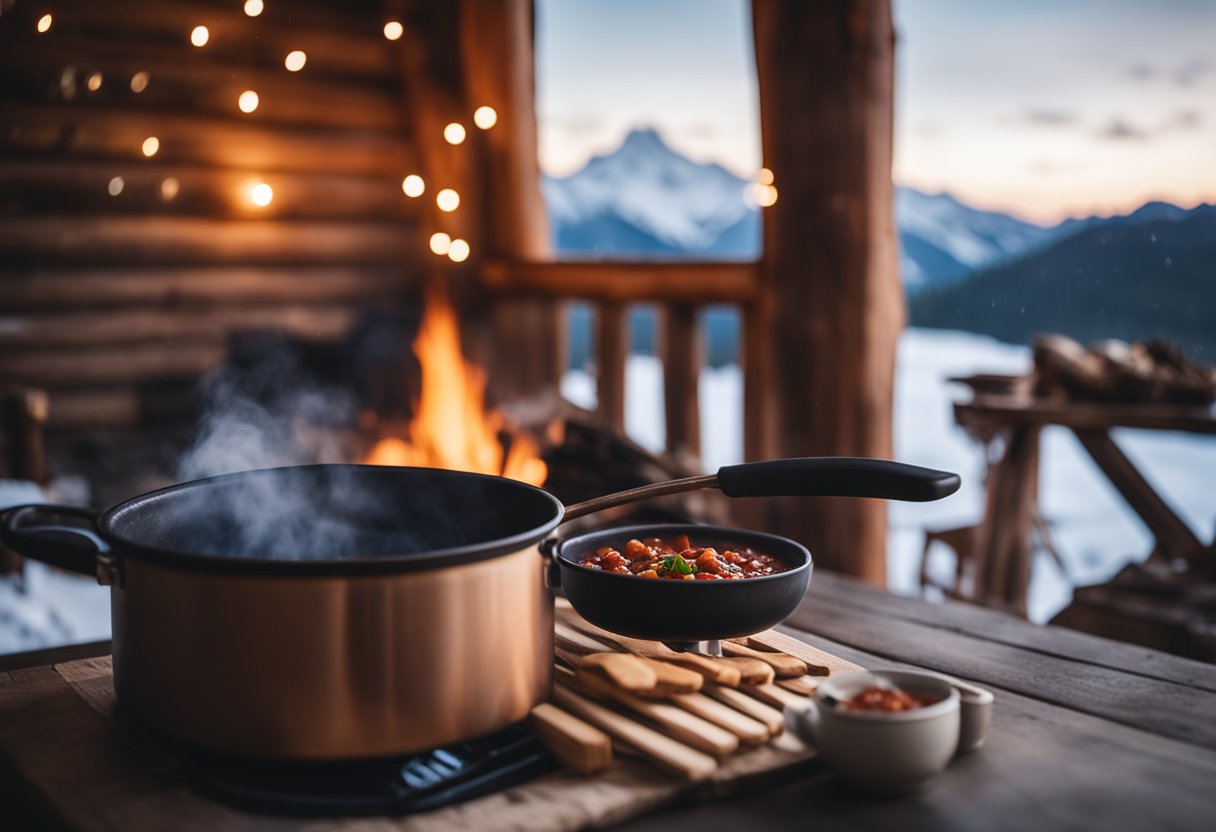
[{"x": 451, "y": 428}]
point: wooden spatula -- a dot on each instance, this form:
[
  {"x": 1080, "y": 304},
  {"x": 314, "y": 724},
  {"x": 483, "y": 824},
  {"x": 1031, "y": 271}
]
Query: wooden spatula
[
  {"x": 621, "y": 669},
  {"x": 785, "y": 665}
]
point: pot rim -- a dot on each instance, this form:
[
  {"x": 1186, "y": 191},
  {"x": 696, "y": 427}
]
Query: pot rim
[
  {"x": 127, "y": 547},
  {"x": 725, "y": 532}
]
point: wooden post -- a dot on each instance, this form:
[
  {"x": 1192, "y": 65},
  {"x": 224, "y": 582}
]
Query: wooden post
[
  {"x": 681, "y": 372},
  {"x": 499, "y": 64},
  {"x": 612, "y": 353},
  {"x": 835, "y": 305}
]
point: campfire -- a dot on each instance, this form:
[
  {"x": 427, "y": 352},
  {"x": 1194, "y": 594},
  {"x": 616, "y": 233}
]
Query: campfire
[{"x": 451, "y": 427}]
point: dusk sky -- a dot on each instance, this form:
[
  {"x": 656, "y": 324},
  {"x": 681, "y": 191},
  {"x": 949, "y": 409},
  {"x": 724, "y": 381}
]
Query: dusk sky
[{"x": 1044, "y": 108}]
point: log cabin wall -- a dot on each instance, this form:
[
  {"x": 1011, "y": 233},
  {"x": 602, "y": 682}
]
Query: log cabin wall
[{"x": 122, "y": 274}]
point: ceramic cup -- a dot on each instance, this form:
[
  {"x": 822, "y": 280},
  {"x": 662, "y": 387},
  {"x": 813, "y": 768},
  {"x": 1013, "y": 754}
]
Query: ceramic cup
[{"x": 890, "y": 753}]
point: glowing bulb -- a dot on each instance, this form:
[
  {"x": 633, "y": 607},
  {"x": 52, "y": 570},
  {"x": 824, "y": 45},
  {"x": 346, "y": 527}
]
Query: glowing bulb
[
  {"x": 440, "y": 243},
  {"x": 454, "y": 133},
  {"x": 94, "y": 82},
  {"x": 199, "y": 35},
  {"x": 295, "y": 60},
  {"x": 764, "y": 176},
  {"x": 261, "y": 194},
  {"x": 393, "y": 30},
  {"x": 44, "y": 23},
  {"x": 253, "y": 8},
  {"x": 765, "y": 195},
  {"x": 413, "y": 185},
  {"x": 458, "y": 252},
  {"x": 139, "y": 81},
  {"x": 151, "y": 145},
  {"x": 169, "y": 188},
  {"x": 115, "y": 186},
  {"x": 248, "y": 102},
  {"x": 447, "y": 200},
  {"x": 485, "y": 117}
]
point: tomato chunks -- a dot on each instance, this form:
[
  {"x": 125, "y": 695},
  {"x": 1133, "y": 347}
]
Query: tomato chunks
[{"x": 677, "y": 559}]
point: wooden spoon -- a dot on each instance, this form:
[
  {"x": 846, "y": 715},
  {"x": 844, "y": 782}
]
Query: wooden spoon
[
  {"x": 621, "y": 669},
  {"x": 785, "y": 665}
]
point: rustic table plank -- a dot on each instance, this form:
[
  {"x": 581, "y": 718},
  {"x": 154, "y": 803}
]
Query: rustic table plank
[
  {"x": 1009, "y": 629},
  {"x": 1161, "y": 707},
  {"x": 1043, "y": 767}
]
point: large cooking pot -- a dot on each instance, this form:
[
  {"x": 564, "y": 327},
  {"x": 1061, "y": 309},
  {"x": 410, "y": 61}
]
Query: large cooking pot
[{"x": 342, "y": 611}]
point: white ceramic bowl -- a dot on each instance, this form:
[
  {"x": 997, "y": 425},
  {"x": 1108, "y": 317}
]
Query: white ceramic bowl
[{"x": 884, "y": 752}]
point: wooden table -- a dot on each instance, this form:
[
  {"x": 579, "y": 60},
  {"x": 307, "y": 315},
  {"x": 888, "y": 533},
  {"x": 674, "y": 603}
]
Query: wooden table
[
  {"x": 1086, "y": 733},
  {"x": 1002, "y": 540}
]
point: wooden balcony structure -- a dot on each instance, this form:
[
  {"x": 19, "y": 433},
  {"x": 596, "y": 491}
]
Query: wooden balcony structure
[{"x": 114, "y": 304}]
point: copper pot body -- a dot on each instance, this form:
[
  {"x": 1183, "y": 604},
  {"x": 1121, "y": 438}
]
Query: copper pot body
[{"x": 309, "y": 667}]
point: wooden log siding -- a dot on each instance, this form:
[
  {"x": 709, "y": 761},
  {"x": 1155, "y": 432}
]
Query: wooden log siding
[{"x": 102, "y": 297}]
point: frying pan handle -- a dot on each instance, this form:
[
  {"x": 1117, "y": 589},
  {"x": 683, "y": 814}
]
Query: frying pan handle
[
  {"x": 836, "y": 476},
  {"x": 41, "y": 533}
]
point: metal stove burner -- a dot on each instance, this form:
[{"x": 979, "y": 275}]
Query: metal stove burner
[
  {"x": 418, "y": 783},
  {"x": 712, "y": 648}
]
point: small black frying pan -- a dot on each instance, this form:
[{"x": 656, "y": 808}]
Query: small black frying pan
[{"x": 693, "y": 611}]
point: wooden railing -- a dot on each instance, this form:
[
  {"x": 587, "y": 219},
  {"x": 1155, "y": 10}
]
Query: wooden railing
[{"x": 680, "y": 289}]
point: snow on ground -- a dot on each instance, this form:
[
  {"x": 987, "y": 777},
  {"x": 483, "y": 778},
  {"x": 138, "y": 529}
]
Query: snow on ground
[{"x": 1094, "y": 531}]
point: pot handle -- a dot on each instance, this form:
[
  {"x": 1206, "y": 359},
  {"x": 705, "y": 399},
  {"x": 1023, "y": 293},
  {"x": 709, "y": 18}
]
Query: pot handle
[
  {"x": 836, "y": 476},
  {"x": 39, "y": 532}
]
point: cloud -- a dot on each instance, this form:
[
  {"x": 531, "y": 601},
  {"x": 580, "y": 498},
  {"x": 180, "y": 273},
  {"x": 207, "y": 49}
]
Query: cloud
[
  {"x": 1192, "y": 71},
  {"x": 1143, "y": 71},
  {"x": 1181, "y": 121},
  {"x": 1044, "y": 117},
  {"x": 1120, "y": 130}
]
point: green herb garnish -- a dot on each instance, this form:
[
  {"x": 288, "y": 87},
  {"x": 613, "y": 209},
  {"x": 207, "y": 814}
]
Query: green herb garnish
[{"x": 677, "y": 564}]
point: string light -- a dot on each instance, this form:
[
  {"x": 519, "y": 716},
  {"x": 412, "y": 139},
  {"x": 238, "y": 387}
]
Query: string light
[
  {"x": 447, "y": 200},
  {"x": 44, "y": 24},
  {"x": 454, "y": 133},
  {"x": 150, "y": 146},
  {"x": 764, "y": 176},
  {"x": 764, "y": 195},
  {"x": 440, "y": 243},
  {"x": 253, "y": 8},
  {"x": 413, "y": 185},
  {"x": 295, "y": 60},
  {"x": 248, "y": 102},
  {"x": 199, "y": 35},
  {"x": 485, "y": 117},
  {"x": 169, "y": 188},
  {"x": 115, "y": 186},
  {"x": 94, "y": 82},
  {"x": 393, "y": 30},
  {"x": 139, "y": 81},
  {"x": 261, "y": 194},
  {"x": 458, "y": 251}
]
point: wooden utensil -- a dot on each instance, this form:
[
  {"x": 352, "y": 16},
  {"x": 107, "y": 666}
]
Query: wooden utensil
[
  {"x": 670, "y": 677},
  {"x": 818, "y": 662},
  {"x": 715, "y": 670},
  {"x": 785, "y": 666},
  {"x": 621, "y": 669},
  {"x": 803, "y": 686},
  {"x": 771, "y": 718},
  {"x": 672, "y": 755},
  {"x": 574, "y": 743},
  {"x": 685, "y": 726},
  {"x": 748, "y": 730},
  {"x": 775, "y": 696}
]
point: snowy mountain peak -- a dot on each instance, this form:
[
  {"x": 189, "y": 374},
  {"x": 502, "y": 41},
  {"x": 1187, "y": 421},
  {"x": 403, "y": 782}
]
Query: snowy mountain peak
[{"x": 659, "y": 194}]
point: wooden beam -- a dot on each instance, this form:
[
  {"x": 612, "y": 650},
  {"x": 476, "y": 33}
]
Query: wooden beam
[
  {"x": 197, "y": 241},
  {"x": 496, "y": 43},
  {"x": 825, "y": 73},
  {"x": 610, "y": 361},
  {"x": 193, "y": 287},
  {"x": 115, "y": 365},
  {"x": 1173, "y": 535},
  {"x": 989, "y": 413},
  {"x": 662, "y": 282},
  {"x": 682, "y": 361},
  {"x": 64, "y": 131}
]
